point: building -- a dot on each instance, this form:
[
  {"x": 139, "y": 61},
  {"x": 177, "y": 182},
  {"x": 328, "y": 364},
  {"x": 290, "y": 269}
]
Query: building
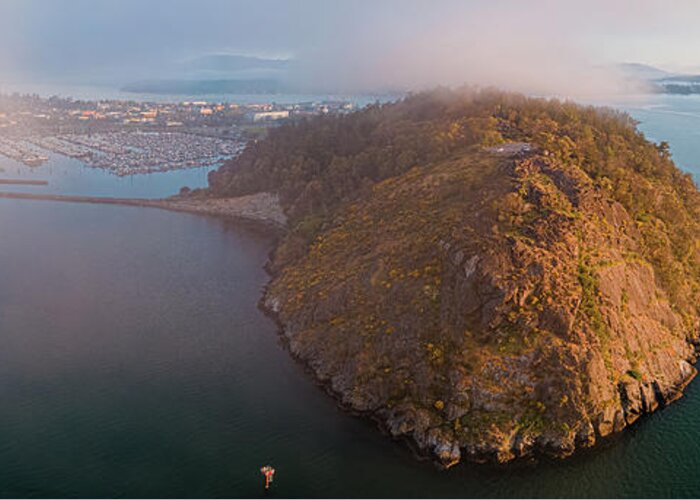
[{"x": 270, "y": 115}]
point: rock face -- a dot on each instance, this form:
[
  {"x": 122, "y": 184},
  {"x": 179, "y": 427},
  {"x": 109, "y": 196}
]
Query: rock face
[
  {"x": 488, "y": 309},
  {"x": 490, "y": 276}
]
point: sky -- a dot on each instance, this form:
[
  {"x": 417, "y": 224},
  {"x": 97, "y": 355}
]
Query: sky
[{"x": 530, "y": 45}]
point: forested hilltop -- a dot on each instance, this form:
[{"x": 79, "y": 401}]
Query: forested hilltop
[{"x": 485, "y": 301}]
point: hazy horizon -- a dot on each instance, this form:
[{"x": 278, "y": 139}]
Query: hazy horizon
[{"x": 538, "y": 47}]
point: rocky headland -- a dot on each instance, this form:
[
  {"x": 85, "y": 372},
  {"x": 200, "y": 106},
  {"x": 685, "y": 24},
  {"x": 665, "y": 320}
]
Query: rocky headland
[{"x": 488, "y": 275}]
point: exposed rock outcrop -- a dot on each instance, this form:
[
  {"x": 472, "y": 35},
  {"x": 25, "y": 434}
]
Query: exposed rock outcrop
[{"x": 518, "y": 318}]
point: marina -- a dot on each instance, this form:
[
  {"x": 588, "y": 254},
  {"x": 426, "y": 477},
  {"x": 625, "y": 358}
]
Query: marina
[
  {"x": 22, "y": 151},
  {"x": 128, "y": 138},
  {"x": 137, "y": 152}
]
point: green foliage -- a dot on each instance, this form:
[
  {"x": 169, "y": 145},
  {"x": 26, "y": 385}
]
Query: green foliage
[
  {"x": 533, "y": 419},
  {"x": 322, "y": 165},
  {"x": 318, "y": 163},
  {"x": 310, "y": 226},
  {"x": 476, "y": 422},
  {"x": 589, "y": 300}
]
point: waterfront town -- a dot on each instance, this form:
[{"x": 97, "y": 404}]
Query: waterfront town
[{"x": 129, "y": 137}]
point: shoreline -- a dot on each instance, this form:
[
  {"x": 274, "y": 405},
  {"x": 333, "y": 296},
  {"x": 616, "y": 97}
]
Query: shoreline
[{"x": 538, "y": 453}]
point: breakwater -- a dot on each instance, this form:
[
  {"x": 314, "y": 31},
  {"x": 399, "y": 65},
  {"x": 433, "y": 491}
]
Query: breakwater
[
  {"x": 261, "y": 208},
  {"x": 83, "y": 199},
  {"x": 24, "y": 182}
]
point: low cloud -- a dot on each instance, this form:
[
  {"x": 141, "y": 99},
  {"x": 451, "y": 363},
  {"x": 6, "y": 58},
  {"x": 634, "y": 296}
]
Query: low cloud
[{"x": 535, "y": 46}]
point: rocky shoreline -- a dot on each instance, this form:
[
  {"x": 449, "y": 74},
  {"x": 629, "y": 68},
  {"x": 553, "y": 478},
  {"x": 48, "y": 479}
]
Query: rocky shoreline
[
  {"x": 638, "y": 317},
  {"x": 262, "y": 208},
  {"x": 637, "y": 401}
]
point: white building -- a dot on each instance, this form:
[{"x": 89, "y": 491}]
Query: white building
[{"x": 270, "y": 115}]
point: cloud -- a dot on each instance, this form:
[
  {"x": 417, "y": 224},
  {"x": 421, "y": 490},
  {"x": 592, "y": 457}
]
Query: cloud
[{"x": 536, "y": 46}]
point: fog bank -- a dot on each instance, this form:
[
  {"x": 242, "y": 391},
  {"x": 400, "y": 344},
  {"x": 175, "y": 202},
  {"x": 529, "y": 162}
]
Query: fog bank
[{"x": 538, "y": 46}]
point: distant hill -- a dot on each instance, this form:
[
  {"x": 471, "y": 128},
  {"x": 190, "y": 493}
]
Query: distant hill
[
  {"x": 660, "y": 81},
  {"x": 217, "y": 74},
  {"x": 200, "y": 87},
  {"x": 680, "y": 84},
  {"x": 642, "y": 71}
]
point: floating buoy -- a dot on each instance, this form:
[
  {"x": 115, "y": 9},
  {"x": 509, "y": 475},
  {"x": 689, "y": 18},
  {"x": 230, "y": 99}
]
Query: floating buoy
[{"x": 268, "y": 472}]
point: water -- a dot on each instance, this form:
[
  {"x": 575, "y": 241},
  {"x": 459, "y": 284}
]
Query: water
[
  {"x": 95, "y": 92},
  {"x": 68, "y": 176},
  {"x": 134, "y": 362},
  {"x": 673, "y": 118}
]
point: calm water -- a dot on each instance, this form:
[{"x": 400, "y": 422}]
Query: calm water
[
  {"x": 135, "y": 363},
  {"x": 70, "y": 176},
  {"x": 675, "y": 119},
  {"x": 96, "y": 92}
]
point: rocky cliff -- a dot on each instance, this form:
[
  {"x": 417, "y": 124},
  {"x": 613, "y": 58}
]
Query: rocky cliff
[{"x": 490, "y": 303}]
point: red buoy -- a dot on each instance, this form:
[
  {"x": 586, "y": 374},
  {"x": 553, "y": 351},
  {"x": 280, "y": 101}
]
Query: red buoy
[{"x": 268, "y": 472}]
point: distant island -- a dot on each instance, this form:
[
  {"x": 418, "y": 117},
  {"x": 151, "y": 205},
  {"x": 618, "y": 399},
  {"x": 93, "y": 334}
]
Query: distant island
[
  {"x": 218, "y": 74},
  {"x": 658, "y": 81},
  {"x": 488, "y": 275},
  {"x": 684, "y": 85},
  {"x": 202, "y": 87},
  {"x": 273, "y": 79}
]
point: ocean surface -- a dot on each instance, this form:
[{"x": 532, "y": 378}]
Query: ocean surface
[
  {"x": 134, "y": 362},
  {"x": 671, "y": 118}
]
